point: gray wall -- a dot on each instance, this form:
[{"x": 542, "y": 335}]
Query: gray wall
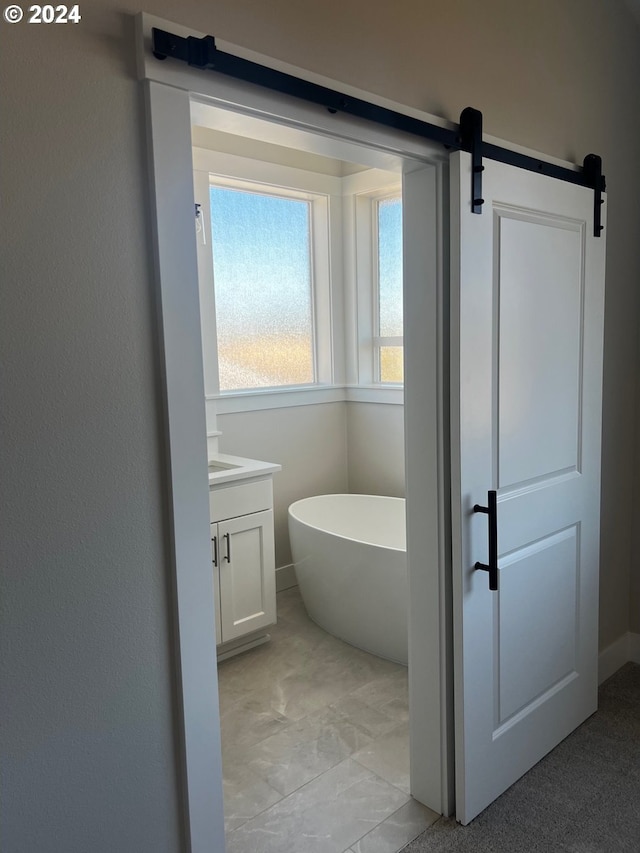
[{"x": 87, "y": 681}]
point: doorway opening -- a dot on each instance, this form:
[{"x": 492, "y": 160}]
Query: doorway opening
[
  {"x": 300, "y": 274},
  {"x": 422, "y": 169}
]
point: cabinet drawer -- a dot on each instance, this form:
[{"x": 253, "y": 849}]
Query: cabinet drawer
[{"x": 240, "y": 499}]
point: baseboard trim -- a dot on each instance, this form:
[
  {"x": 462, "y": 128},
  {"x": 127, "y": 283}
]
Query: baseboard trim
[
  {"x": 229, "y": 650},
  {"x": 624, "y": 650},
  {"x": 285, "y": 577}
]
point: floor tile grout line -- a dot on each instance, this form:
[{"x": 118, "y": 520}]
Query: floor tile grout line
[
  {"x": 315, "y": 778},
  {"x": 296, "y": 791},
  {"x": 256, "y": 743},
  {"x": 428, "y": 826},
  {"x": 342, "y": 696},
  {"x": 364, "y": 766},
  {"x": 326, "y": 770},
  {"x": 231, "y": 831},
  {"x": 388, "y": 817},
  {"x": 292, "y": 723}
]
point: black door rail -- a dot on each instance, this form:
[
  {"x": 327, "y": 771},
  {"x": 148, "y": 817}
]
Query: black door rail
[{"x": 202, "y": 53}]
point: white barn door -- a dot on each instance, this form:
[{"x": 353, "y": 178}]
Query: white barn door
[{"x": 527, "y": 323}]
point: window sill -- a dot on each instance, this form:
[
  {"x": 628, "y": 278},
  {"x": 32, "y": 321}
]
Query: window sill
[
  {"x": 388, "y": 394},
  {"x": 282, "y": 398}
]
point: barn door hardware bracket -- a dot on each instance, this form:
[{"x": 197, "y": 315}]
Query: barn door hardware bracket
[
  {"x": 198, "y": 53},
  {"x": 592, "y": 168},
  {"x": 471, "y": 141}
]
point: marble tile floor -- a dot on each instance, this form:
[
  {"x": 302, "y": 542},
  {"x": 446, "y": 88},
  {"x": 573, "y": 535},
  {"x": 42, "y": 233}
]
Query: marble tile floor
[{"x": 315, "y": 745}]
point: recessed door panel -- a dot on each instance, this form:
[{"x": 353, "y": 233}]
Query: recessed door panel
[
  {"x": 247, "y": 574},
  {"x": 539, "y": 296},
  {"x": 247, "y": 580},
  {"x": 537, "y": 622}
]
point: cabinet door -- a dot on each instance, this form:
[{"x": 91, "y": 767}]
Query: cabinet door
[
  {"x": 247, "y": 574},
  {"x": 215, "y": 563}
]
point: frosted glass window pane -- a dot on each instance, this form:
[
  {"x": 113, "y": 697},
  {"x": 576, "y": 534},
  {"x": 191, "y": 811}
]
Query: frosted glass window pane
[
  {"x": 391, "y": 366},
  {"x": 262, "y": 283},
  {"x": 390, "y": 267}
]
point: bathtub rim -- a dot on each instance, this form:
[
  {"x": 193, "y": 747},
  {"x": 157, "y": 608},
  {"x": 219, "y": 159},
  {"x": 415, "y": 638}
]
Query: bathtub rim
[{"x": 340, "y": 535}]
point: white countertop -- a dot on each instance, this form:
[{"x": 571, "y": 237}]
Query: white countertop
[{"x": 224, "y": 468}]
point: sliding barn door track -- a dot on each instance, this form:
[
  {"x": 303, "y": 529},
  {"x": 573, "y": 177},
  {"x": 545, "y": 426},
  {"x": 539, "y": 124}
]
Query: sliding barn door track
[{"x": 202, "y": 53}]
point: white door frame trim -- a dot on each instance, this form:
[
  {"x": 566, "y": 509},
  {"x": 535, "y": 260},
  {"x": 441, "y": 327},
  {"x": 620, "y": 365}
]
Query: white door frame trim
[
  {"x": 171, "y": 181},
  {"x": 169, "y": 93}
]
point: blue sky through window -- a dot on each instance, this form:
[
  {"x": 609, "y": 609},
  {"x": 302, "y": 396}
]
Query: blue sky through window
[
  {"x": 262, "y": 282},
  {"x": 390, "y": 266}
]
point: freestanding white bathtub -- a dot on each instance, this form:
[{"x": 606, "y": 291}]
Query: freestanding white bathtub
[{"x": 350, "y": 558}]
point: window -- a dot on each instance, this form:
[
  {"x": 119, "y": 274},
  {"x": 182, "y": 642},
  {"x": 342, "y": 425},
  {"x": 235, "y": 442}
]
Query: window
[
  {"x": 263, "y": 285},
  {"x": 377, "y": 205},
  {"x": 266, "y": 275},
  {"x": 300, "y": 283},
  {"x": 388, "y": 338}
]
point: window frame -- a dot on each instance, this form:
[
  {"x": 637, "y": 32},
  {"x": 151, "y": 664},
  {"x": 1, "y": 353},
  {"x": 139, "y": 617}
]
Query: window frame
[
  {"x": 213, "y": 168},
  {"x": 363, "y": 192},
  {"x": 343, "y": 288}
]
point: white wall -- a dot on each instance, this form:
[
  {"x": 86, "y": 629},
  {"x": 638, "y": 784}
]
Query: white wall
[
  {"x": 87, "y": 676},
  {"x": 323, "y": 449},
  {"x": 375, "y": 449},
  {"x": 310, "y": 442}
]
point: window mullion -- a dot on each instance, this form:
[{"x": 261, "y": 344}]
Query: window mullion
[
  {"x": 375, "y": 285},
  {"x": 321, "y": 284},
  {"x": 388, "y": 341}
]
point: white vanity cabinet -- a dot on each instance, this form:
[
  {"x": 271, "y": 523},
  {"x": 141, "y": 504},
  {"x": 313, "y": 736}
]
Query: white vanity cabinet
[{"x": 242, "y": 555}]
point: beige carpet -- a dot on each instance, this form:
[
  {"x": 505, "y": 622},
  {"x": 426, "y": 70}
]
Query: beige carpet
[{"x": 584, "y": 797}]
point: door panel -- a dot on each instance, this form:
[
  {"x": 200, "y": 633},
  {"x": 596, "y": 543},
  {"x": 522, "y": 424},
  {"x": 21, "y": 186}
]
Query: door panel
[
  {"x": 539, "y": 293},
  {"x": 527, "y": 317},
  {"x": 535, "y": 635},
  {"x": 247, "y": 575}
]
